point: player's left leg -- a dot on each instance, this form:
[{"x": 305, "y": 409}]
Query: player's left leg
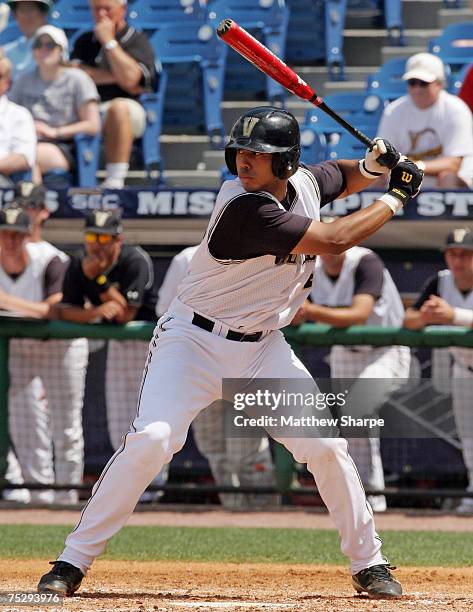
[{"x": 336, "y": 477}]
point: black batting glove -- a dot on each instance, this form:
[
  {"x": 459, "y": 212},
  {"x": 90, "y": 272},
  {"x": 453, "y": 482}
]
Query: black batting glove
[
  {"x": 379, "y": 159},
  {"x": 406, "y": 180}
]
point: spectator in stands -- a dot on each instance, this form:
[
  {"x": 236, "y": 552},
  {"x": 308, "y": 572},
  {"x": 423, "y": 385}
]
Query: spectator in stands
[
  {"x": 121, "y": 62},
  {"x": 46, "y": 378},
  {"x": 62, "y": 100},
  {"x": 431, "y": 125},
  {"x": 17, "y": 133},
  {"x": 447, "y": 299},
  {"x": 29, "y": 16},
  {"x": 355, "y": 288},
  {"x": 112, "y": 282},
  {"x": 233, "y": 461}
]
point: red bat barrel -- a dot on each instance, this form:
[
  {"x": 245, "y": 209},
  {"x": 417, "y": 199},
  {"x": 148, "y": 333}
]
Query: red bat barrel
[{"x": 261, "y": 57}]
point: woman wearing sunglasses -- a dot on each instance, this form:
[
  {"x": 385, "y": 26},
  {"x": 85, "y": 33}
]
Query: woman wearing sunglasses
[{"x": 62, "y": 100}]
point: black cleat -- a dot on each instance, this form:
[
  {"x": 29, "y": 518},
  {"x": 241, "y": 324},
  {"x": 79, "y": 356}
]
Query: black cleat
[
  {"x": 378, "y": 582},
  {"x": 64, "y": 579}
]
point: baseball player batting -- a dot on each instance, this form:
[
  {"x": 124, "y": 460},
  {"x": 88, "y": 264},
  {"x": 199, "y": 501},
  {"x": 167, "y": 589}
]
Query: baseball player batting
[{"x": 247, "y": 280}]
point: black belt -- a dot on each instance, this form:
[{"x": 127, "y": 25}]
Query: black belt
[{"x": 209, "y": 325}]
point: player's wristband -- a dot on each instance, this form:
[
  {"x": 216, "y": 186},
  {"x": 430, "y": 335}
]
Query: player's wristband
[
  {"x": 393, "y": 202},
  {"x": 463, "y": 317},
  {"x": 365, "y": 172},
  {"x": 102, "y": 282}
]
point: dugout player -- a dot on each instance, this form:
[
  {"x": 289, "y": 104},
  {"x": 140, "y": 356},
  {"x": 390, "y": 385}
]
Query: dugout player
[
  {"x": 355, "y": 288},
  {"x": 114, "y": 282},
  {"x": 46, "y": 378},
  {"x": 236, "y": 461},
  {"x": 248, "y": 278},
  {"x": 447, "y": 299}
]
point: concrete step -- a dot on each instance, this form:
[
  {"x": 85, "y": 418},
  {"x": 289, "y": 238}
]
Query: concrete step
[
  {"x": 317, "y": 77},
  {"x": 204, "y": 179},
  {"x": 448, "y": 16},
  {"x": 344, "y": 86},
  {"x": 183, "y": 152},
  {"x": 213, "y": 160},
  {"x": 364, "y": 47},
  {"x": 395, "y": 52},
  {"x": 421, "y": 12}
]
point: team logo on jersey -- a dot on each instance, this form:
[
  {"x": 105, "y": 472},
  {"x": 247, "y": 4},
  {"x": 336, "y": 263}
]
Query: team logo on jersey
[
  {"x": 406, "y": 177},
  {"x": 249, "y": 125}
]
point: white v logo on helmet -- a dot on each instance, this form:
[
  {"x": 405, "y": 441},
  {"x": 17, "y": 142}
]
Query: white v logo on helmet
[{"x": 249, "y": 124}]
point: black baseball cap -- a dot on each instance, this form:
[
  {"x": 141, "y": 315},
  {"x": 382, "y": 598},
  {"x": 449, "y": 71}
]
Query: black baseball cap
[
  {"x": 460, "y": 238},
  {"x": 29, "y": 194},
  {"x": 14, "y": 219},
  {"x": 103, "y": 222}
]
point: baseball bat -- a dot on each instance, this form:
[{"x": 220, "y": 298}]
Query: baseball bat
[{"x": 266, "y": 61}]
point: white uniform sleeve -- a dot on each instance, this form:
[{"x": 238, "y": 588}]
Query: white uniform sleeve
[
  {"x": 175, "y": 273},
  {"x": 24, "y": 135}
]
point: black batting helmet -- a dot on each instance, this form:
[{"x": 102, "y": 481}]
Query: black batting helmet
[{"x": 266, "y": 129}]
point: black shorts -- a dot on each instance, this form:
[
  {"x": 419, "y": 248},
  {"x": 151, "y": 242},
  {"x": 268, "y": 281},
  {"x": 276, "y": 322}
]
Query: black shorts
[{"x": 68, "y": 149}]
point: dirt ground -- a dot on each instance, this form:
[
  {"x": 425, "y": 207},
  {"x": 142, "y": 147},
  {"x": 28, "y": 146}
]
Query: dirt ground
[{"x": 114, "y": 586}]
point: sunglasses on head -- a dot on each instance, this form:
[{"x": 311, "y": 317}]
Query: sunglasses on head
[
  {"x": 100, "y": 238},
  {"x": 47, "y": 44},
  {"x": 418, "y": 82}
]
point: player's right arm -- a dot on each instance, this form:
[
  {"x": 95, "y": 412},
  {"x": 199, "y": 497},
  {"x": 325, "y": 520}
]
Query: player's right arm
[{"x": 346, "y": 232}]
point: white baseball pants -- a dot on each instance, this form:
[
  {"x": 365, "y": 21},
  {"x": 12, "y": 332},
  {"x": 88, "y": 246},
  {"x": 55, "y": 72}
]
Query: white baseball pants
[{"x": 183, "y": 375}]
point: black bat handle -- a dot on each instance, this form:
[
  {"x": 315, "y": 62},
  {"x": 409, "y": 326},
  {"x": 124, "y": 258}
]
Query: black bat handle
[{"x": 353, "y": 131}]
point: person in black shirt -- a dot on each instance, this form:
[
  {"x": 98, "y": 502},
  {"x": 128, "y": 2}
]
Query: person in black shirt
[
  {"x": 110, "y": 281},
  {"x": 121, "y": 62}
]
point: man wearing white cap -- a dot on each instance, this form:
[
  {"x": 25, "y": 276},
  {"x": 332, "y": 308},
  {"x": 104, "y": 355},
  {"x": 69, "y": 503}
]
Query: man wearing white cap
[
  {"x": 431, "y": 125},
  {"x": 62, "y": 100}
]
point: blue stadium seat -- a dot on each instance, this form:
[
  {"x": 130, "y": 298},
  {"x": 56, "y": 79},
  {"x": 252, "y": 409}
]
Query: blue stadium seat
[
  {"x": 194, "y": 58},
  {"x": 150, "y": 15},
  {"x": 457, "y": 80},
  {"x": 392, "y": 16},
  {"x": 314, "y": 146},
  {"x": 267, "y": 20},
  {"x": 362, "y": 111},
  {"x": 387, "y": 83},
  {"x": 315, "y": 34},
  {"x": 10, "y": 33},
  {"x": 449, "y": 48},
  {"x": 71, "y": 16},
  {"x": 348, "y": 147}
]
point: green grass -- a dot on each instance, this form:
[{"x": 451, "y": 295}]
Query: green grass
[{"x": 422, "y": 548}]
